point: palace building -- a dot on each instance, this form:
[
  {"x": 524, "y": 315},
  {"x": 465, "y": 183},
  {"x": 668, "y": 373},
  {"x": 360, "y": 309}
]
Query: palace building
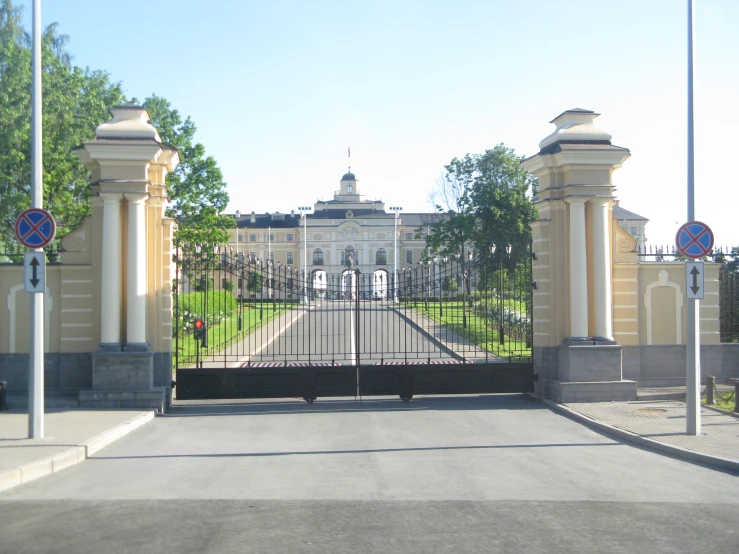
[{"x": 350, "y": 230}]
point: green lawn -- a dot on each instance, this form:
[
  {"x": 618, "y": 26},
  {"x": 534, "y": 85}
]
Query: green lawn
[
  {"x": 227, "y": 332},
  {"x": 484, "y": 334}
]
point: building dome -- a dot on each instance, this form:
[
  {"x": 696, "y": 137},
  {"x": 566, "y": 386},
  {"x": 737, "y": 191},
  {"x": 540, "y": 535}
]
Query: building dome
[{"x": 349, "y": 177}]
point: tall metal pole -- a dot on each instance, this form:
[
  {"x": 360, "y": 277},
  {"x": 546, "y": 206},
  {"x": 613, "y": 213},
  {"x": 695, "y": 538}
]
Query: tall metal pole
[
  {"x": 303, "y": 213},
  {"x": 36, "y": 358},
  {"x": 693, "y": 365},
  {"x": 396, "y": 210},
  {"x": 305, "y": 256}
]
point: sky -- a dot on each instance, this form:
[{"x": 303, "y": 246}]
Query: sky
[{"x": 279, "y": 90}]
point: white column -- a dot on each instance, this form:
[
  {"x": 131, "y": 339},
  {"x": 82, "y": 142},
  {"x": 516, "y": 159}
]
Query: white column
[
  {"x": 602, "y": 310},
  {"x": 110, "y": 289},
  {"x": 578, "y": 269},
  {"x": 136, "y": 298}
]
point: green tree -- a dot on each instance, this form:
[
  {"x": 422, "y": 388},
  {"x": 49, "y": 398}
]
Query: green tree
[
  {"x": 254, "y": 282},
  {"x": 483, "y": 199},
  {"x": 75, "y": 101},
  {"x": 503, "y": 207},
  {"x": 196, "y": 187},
  {"x": 449, "y": 284}
]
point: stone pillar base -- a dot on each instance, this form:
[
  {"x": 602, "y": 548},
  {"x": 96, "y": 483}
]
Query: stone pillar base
[
  {"x": 124, "y": 380},
  {"x": 596, "y": 391},
  {"x": 586, "y": 362},
  {"x": 153, "y": 399},
  {"x": 123, "y": 371}
]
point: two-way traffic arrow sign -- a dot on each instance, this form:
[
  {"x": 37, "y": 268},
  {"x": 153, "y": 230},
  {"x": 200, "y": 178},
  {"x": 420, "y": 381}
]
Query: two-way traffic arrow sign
[
  {"x": 34, "y": 264},
  {"x": 694, "y": 280}
]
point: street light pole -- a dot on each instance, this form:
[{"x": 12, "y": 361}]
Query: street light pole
[
  {"x": 304, "y": 216},
  {"x": 693, "y": 361},
  {"x": 396, "y": 210}
]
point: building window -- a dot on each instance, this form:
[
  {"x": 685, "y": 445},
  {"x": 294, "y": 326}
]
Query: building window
[
  {"x": 289, "y": 258},
  {"x": 240, "y": 238},
  {"x": 272, "y": 256},
  {"x": 278, "y": 217},
  {"x": 409, "y": 257},
  {"x": 409, "y": 236},
  {"x": 349, "y": 188},
  {"x": 349, "y": 251},
  {"x": 252, "y": 237},
  {"x": 290, "y": 237},
  {"x": 271, "y": 236},
  {"x": 318, "y": 257},
  {"x": 381, "y": 257},
  {"x": 224, "y": 257},
  {"x": 632, "y": 230},
  {"x": 252, "y": 257}
]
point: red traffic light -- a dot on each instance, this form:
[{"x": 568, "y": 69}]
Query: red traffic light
[{"x": 198, "y": 324}]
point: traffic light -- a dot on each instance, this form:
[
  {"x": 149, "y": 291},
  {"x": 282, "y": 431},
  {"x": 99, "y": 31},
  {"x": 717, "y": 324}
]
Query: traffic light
[{"x": 199, "y": 329}]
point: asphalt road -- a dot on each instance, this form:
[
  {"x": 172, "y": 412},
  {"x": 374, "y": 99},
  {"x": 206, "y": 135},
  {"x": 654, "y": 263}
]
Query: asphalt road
[
  {"x": 329, "y": 331},
  {"x": 471, "y": 474}
]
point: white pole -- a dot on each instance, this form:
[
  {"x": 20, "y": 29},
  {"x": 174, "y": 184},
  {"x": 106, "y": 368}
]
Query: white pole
[
  {"x": 396, "y": 210},
  {"x": 693, "y": 363},
  {"x": 36, "y": 358},
  {"x": 395, "y": 259}
]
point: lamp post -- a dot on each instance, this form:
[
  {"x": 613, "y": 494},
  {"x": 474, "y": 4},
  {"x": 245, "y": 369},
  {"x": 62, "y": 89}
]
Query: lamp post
[
  {"x": 304, "y": 217},
  {"x": 238, "y": 216},
  {"x": 396, "y": 210},
  {"x": 501, "y": 305}
]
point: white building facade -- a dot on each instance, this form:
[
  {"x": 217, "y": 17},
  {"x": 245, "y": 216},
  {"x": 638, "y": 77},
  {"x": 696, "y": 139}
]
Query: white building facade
[{"x": 347, "y": 231}]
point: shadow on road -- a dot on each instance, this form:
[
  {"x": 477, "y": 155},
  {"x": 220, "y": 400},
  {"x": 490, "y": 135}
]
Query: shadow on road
[
  {"x": 204, "y": 408},
  {"x": 355, "y": 451}
]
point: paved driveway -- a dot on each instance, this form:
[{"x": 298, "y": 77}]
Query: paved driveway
[{"x": 474, "y": 474}]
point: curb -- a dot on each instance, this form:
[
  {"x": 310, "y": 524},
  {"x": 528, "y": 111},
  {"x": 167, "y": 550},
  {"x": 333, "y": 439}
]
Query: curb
[
  {"x": 661, "y": 448},
  {"x": 71, "y": 456}
]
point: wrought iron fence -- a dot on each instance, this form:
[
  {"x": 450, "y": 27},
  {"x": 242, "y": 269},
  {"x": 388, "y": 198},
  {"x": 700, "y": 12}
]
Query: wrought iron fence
[
  {"x": 445, "y": 309},
  {"x": 12, "y": 252}
]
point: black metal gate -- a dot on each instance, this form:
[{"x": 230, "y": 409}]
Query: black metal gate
[{"x": 444, "y": 326}]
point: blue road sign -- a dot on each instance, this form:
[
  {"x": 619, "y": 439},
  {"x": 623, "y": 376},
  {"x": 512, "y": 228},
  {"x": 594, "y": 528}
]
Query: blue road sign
[
  {"x": 35, "y": 228},
  {"x": 694, "y": 239}
]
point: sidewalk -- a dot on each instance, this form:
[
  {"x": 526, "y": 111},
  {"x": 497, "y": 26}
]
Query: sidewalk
[
  {"x": 660, "y": 425},
  {"x": 70, "y": 437}
]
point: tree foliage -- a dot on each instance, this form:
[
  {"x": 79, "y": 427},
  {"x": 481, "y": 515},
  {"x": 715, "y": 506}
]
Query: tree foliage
[
  {"x": 484, "y": 199},
  {"x": 74, "y": 102},
  {"x": 196, "y": 187}
]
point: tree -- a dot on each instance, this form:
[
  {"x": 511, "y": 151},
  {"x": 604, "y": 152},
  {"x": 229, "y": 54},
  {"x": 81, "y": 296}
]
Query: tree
[
  {"x": 452, "y": 200},
  {"x": 449, "y": 284},
  {"x": 483, "y": 200},
  {"x": 502, "y": 205},
  {"x": 74, "y": 102},
  {"x": 254, "y": 282},
  {"x": 196, "y": 188}
]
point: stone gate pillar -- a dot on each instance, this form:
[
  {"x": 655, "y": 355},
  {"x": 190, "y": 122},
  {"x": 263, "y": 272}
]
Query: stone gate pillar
[
  {"x": 129, "y": 163},
  {"x": 575, "y": 356}
]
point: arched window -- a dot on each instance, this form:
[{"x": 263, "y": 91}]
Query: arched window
[
  {"x": 349, "y": 252},
  {"x": 380, "y": 257},
  {"x": 318, "y": 257}
]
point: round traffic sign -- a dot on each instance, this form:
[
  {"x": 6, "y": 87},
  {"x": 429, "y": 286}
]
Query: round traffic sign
[
  {"x": 694, "y": 239},
  {"x": 35, "y": 228}
]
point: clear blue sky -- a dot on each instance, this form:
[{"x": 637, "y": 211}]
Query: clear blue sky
[{"x": 280, "y": 89}]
